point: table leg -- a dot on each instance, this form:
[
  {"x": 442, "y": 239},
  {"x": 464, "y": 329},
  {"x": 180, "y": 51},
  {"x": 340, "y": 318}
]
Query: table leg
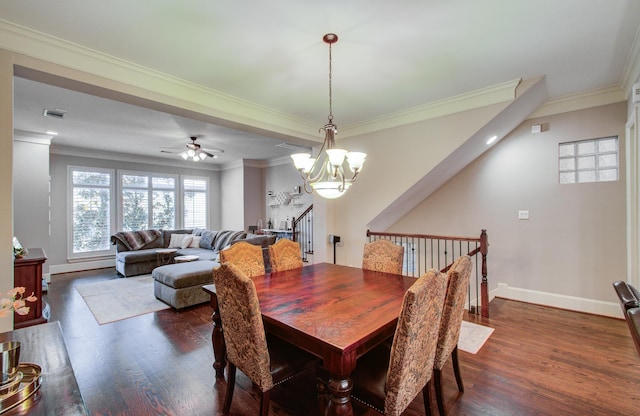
[
  {"x": 339, "y": 396},
  {"x": 217, "y": 339}
]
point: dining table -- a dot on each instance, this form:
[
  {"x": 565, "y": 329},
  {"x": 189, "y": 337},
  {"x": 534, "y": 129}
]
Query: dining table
[{"x": 335, "y": 312}]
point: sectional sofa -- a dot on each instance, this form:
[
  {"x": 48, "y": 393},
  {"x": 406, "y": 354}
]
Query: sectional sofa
[
  {"x": 136, "y": 251},
  {"x": 180, "y": 284}
]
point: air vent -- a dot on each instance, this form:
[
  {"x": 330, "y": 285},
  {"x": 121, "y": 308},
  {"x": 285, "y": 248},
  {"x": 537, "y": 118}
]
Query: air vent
[
  {"x": 54, "y": 113},
  {"x": 635, "y": 93}
]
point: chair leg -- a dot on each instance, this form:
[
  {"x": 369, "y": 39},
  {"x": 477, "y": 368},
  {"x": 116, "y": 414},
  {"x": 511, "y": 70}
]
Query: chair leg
[
  {"x": 456, "y": 369},
  {"x": 264, "y": 403},
  {"x": 426, "y": 397},
  {"x": 437, "y": 378},
  {"x": 231, "y": 383}
]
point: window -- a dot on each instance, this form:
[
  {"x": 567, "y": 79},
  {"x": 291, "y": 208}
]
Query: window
[
  {"x": 588, "y": 161},
  {"x": 91, "y": 211},
  {"x": 195, "y": 196},
  {"x": 148, "y": 201}
]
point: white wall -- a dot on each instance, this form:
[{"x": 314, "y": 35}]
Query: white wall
[
  {"x": 574, "y": 245},
  {"x": 6, "y": 185},
  {"x": 31, "y": 192},
  {"x": 253, "y": 192},
  {"x": 232, "y": 198},
  {"x": 279, "y": 178}
]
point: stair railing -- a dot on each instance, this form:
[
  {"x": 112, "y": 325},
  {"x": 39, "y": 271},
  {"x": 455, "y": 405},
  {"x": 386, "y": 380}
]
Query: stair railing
[
  {"x": 423, "y": 252},
  {"x": 302, "y": 228}
]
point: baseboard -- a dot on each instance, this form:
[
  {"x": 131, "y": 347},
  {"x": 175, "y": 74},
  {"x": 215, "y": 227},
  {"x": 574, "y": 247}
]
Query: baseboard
[
  {"x": 573, "y": 303},
  {"x": 81, "y": 266}
]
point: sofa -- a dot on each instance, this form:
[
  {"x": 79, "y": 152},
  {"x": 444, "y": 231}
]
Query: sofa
[
  {"x": 136, "y": 251},
  {"x": 180, "y": 284}
]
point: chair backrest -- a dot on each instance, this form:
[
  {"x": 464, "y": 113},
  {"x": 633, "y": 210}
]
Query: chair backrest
[
  {"x": 285, "y": 254},
  {"x": 383, "y": 256},
  {"x": 242, "y": 325},
  {"x": 457, "y": 286},
  {"x": 245, "y": 256},
  {"x": 415, "y": 340}
]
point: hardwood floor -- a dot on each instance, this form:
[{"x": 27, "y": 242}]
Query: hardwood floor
[{"x": 538, "y": 361}]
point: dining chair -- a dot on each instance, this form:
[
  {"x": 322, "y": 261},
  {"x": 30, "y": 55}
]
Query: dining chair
[
  {"x": 266, "y": 360},
  {"x": 457, "y": 286},
  {"x": 245, "y": 256},
  {"x": 389, "y": 377},
  {"x": 383, "y": 256},
  {"x": 285, "y": 254}
]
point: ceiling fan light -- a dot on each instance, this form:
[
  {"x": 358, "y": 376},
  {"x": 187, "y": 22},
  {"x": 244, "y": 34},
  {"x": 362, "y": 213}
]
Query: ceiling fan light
[
  {"x": 191, "y": 153},
  {"x": 202, "y": 156},
  {"x": 184, "y": 155}
]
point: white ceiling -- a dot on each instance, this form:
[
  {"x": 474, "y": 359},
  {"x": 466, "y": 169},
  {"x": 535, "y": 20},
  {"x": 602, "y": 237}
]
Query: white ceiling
[{"x": 391, "y": 56}]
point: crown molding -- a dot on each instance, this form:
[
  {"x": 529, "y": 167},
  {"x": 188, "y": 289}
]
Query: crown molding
[
  {"x": 498, "y": 93},
  {"x": 584, "y": 100},
  {"x": 123, "y": 157},
  {"x": 162, "y": 87},
  {"x": 631, "y": 72},
  {"x": 32, "y": 137}
]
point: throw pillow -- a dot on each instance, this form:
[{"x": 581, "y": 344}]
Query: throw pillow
[
  {"x": 176, "y": 241},
  {"x": 186, "y": 241},
  {"x": 195, "y": 241},
  {"x": 206, "y": 239}
]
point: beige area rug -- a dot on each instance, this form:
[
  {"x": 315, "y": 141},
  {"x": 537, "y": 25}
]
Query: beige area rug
[
  {"x": 473, "y": 337},
  {"x": 121, "y": 298}
]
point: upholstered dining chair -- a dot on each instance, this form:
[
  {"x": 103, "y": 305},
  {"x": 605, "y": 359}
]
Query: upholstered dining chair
[
  {"x": 457, "y": 286},
  {"x": 266, "y": 361},
  {"x": 383, "y": 256},
  {"x": 285, "y": 254},
  {"x": 246, "y": 256},
  {"x": 388, "y": 378}
]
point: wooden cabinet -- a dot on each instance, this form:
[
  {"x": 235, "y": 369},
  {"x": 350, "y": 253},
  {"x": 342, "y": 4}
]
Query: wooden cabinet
[{"x": 27, "y": 272}]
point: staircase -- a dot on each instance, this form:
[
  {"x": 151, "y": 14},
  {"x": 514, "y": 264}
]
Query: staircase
[{"x": 303, "y": 232}]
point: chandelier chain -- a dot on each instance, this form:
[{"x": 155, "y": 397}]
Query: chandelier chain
[{"x": 330, "y": 90}]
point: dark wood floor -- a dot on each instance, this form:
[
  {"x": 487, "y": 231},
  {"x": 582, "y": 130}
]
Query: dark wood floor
[{"x": 539, "y": 361}]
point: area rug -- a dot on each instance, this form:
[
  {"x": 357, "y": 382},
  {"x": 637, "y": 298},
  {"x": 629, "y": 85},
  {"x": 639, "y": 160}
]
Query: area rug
[
  {"x": 473, "y": 337},
  {"x": 121, "y": 298}
]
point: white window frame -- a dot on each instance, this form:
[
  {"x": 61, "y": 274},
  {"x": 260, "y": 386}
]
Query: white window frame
[
  {"x": 183, "y": 190},
  {"x": 596, "y": 154},
  {"x": 70, "y": 188},
  {"x": 150, "y": 189}
]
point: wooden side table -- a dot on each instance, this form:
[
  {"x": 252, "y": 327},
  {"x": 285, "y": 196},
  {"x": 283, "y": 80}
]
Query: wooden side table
[
  {"x": 165, "y": 255},
  {"x": 27, "y": 272}
]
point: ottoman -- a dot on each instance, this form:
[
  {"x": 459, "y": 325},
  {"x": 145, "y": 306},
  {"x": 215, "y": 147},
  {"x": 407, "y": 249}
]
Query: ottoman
[{"x": 180, "y": 284}]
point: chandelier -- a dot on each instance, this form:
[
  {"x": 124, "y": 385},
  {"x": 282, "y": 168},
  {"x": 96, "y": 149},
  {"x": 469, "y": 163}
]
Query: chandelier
[{"x": 327, "y": 173}]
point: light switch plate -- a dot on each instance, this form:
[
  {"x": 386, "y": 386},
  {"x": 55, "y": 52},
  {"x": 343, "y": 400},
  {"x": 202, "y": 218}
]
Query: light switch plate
[{"x": 523, "y": 215}]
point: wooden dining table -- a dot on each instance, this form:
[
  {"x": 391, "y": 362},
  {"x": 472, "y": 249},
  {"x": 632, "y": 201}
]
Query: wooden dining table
[{"x": 335, "y": 312}]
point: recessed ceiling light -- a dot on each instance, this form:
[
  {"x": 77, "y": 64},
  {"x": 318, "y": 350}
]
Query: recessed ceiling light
[
  {"x": 492, "y": 139},
  {"x": 52, "y": 133}
]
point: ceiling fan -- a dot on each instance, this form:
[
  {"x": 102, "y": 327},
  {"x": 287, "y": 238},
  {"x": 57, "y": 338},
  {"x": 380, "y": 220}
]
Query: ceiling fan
[{"x": 194, "y": 151}]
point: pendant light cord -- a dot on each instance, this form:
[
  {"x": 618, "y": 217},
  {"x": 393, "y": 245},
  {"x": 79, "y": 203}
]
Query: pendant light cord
[{"x": 330, "y": 93}]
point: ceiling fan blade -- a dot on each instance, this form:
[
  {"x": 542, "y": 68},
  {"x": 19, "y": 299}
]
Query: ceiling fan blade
[{"x": 171, "y": 149}]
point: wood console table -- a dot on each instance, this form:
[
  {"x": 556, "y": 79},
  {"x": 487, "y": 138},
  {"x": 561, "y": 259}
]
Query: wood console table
[
  {"x": 59, "y": 393},
  {"x": 27, "y": 272}
]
